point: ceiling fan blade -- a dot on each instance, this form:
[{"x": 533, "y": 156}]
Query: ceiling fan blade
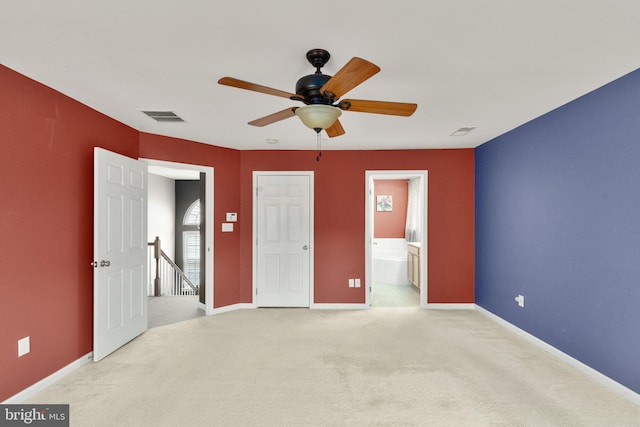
[
  {"x": 354, "y": 72},
  {"x": 241, "y": 84},
  {"x": 335, "y": 129},
  {"x": 378, "y": 107},
  {"x": 275, "y": 117}
]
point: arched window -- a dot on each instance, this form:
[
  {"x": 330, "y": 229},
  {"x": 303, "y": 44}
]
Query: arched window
[
  {"x": 192, "y": 216},
  {"x": 191, "y": 243}
]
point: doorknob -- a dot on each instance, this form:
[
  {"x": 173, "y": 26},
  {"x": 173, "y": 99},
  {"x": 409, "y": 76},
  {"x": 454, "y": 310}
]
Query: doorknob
[
  {"x": 104, "y": 263},
  {"x": 305, "y": 247}
]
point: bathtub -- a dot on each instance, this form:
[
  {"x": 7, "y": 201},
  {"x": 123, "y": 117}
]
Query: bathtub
[{"x": 390, "y": 261}]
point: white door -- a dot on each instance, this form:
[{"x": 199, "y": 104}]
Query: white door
[
  {"x": 283, "y": 240},
  {"x": 120, "y": 251}
]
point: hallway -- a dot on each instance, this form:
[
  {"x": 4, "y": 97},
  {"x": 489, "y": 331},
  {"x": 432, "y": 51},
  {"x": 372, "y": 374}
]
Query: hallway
[{"x": 165, "y": 310}]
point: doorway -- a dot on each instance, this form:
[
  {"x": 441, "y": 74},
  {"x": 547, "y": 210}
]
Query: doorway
[
  {"x": 176, "y": 310},
  {"x": 404, "y": 257}
]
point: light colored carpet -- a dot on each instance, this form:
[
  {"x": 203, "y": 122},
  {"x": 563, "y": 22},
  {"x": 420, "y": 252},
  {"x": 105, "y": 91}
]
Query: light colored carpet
[
  {"x": 301, "y": 367},
  {"x": 165, "y": 310}
]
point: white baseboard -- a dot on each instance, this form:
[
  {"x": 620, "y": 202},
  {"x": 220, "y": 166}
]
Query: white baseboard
[
  {"x": 454, "y": 306},
  {"x": 36, "y": 388},
  {"x": 232, "y": 307},
  {"x": 332, "y": 306},
  {"x": 607, "y": 382},
  {"x": 329, "y": 306}
]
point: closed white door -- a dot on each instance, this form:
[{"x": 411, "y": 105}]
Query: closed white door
[
  {"x": 283, "y": 241},
  {"x": 120, "y": 251}
]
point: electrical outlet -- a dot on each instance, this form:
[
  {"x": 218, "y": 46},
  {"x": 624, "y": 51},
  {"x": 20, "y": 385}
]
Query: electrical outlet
[
  {"x": 351, "y": 283},
  {"x": 24, "y": 346},
  {"x": 357, "y": 283}
]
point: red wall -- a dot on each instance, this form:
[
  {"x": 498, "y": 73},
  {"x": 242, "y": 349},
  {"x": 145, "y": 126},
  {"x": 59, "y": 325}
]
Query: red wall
[
  {"x": 391, "y": 224},
  {"x": 46, "y": 225},
  {"x": 226, "y": 164},
  {"x": 340, "y": 215}
]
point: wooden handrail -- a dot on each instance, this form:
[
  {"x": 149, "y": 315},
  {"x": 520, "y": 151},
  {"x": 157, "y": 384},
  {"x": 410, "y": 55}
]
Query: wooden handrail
[
  {"x": 176, "y": 268},
  {"x": 157, "y": 253}
]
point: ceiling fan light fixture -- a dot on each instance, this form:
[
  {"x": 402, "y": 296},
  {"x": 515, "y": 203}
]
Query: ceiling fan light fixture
[{"x": 318, "y": 116}]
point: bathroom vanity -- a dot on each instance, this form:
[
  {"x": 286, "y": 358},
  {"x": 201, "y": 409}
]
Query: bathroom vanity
[{"x": 413, "y": 263}]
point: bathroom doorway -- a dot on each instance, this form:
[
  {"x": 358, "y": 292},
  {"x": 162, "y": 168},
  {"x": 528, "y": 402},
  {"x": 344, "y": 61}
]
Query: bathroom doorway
[{"x": 396, "y": 238}]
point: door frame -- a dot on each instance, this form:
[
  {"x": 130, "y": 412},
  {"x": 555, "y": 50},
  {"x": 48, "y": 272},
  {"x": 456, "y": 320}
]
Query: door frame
[
  {"x": 254, "y": 247},
  {"x": 369, "y": 210},
  {"x": 209, "y": 203}
]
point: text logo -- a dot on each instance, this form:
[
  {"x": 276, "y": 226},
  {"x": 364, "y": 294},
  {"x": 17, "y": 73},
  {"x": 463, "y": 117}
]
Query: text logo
[{"x": 34, "y": 415}]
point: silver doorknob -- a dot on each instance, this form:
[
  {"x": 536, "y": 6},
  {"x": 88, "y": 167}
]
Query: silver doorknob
[
  {"x": 104, "y": 263},
  {"x": 305, "y": 247}
]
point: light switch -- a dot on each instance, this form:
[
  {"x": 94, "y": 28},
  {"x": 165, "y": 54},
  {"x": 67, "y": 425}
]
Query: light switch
[
  {"x": 227, "y": 227},
  {"x": 24, "y": 346}
]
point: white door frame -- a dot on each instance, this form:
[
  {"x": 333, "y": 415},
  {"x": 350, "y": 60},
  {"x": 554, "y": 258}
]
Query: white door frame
[
  {"x": 369, "y": 210},
  {"x": 254, "y": 251},
  {"x": 209, "y": 203}
]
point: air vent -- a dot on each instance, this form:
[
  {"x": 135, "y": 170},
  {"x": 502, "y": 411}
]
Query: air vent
[
  {"x": 462, "y": 131},
  {"x": 163, "y": 115}
]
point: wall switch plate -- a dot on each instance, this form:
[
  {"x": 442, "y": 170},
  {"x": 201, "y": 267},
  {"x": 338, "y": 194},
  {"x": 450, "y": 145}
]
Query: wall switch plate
[
  {"x": 351, "y": 283},
  {"x": 232, "y": 217},
  {"x": 24, "y": 346},
  {"x": 357, "y": 283},
  {"x": 227, "y": 227},
  {"x": 520, "y": 300}
]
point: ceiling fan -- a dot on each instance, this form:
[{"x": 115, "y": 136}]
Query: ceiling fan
[{"x": 321, "y": 95}]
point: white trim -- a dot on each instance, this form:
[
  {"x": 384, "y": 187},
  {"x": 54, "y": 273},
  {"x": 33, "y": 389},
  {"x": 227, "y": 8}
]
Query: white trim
[
  {"x": 371, "y": 175},
  {"x": 338, "y": 306},
  {"x": 454, "y": 306},
  {"x": 36, "y": 388},
  {"x": 233, "y": 307},
  {"x": 254, "y": 251},
  {"x": 209, "y": 205},
  {"x": 607, "y": 382}
]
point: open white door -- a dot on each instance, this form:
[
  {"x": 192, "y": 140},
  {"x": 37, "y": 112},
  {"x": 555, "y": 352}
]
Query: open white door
[{"x": 119, "y": 250}]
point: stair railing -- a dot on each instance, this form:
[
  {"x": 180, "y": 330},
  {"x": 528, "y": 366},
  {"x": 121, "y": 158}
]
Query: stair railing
[{"x": 169, "y": 279}]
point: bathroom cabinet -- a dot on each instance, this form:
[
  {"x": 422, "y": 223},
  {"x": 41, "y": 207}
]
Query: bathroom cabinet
[{"x": 413, "y": 264}]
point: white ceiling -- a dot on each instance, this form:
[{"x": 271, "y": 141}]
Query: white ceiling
[{"x": 490, "y": 64}]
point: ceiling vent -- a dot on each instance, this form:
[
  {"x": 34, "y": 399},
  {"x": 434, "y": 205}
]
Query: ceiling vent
[
  {"x": 163, "y": 115},
  {"x": 462, "y": 131}
]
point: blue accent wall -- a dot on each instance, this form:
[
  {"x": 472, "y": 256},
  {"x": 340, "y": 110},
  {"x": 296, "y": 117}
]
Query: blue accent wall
[{"x": 558, "y": 221}]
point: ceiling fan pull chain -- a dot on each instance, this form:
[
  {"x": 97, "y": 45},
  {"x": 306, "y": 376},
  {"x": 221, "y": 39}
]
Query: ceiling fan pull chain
[{"x": 318, "y": 145}]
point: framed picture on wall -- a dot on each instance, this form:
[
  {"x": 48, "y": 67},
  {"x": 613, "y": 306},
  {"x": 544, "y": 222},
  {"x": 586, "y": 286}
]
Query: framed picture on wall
[{"x": 384, "y": 203}]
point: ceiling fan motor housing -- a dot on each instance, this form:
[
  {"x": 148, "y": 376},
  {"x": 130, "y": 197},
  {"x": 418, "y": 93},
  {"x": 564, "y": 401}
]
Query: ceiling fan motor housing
[{"x": 309, "y": 88}]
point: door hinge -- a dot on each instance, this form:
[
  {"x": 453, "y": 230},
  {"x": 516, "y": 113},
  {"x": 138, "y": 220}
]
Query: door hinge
[{"x": 256, "y": 291}]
